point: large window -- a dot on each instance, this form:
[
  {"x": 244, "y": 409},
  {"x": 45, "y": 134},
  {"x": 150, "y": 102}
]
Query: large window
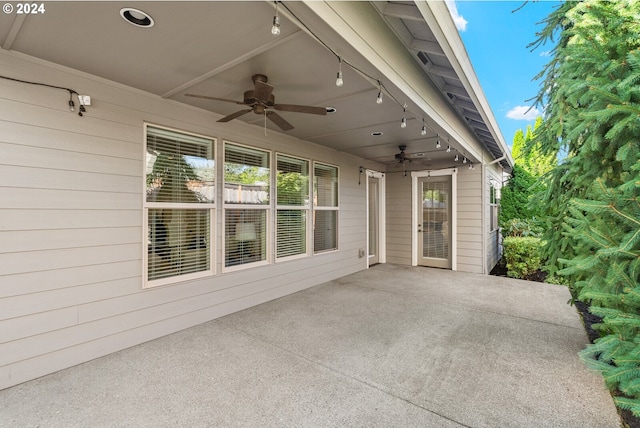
[
  {"x": 180, "y": 196},
  {"x": 247, "y": 179},
  {"x": 325, "y": 214},
  {"x": 292, "y": 210}
]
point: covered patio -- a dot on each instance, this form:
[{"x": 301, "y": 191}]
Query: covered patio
[{"x": 389, "y": 346}]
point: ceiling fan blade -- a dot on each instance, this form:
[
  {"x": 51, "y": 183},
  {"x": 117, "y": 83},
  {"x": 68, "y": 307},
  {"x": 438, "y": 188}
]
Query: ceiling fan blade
[
  {"x": 301, "y": 109},
  {"x": 263, "y": 91},
  {"x": 279, "y": 120},
  {"x": 234, "y": 115},
  {"x": 206, "y": 97}
]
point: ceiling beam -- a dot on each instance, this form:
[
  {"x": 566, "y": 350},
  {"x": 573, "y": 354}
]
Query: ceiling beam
[
  {"x": 273, "y": 42},
  {"x": 13, "y": 31}
]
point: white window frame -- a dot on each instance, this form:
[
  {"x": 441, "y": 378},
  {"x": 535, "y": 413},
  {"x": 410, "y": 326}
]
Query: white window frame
[
  {"x": 305, "y": 208},
  {"x": 268, "y": 208},
  {"x": 146, "y": 206},
  {"x": 317, "y": 207},
  {"x": 494, "y": 206}
]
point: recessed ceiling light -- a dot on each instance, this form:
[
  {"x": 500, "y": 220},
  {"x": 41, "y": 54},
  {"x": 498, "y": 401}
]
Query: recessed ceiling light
[
  {"x": 377, "y": 133},
  {"x": 331, "y": 109},
  {"x": 136, "y": 17}
]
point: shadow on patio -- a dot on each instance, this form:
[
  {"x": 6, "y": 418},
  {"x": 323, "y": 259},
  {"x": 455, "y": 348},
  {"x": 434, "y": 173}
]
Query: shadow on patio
[{"x": 390, "y": 346}]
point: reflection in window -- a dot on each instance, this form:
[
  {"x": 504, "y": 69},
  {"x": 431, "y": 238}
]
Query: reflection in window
[
  {"x": 179, "y": 198},
  {"x": 292, "y": 190},
  {"x": 325, "y": 216},
  {"x": 245, "y": 236},
  {"x": 247, "y": 179}
]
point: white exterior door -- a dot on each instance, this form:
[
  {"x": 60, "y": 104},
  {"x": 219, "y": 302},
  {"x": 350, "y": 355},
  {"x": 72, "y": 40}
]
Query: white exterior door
[
  {"x": 434, "y": 215},
  {"x": 375, "y": 218}
]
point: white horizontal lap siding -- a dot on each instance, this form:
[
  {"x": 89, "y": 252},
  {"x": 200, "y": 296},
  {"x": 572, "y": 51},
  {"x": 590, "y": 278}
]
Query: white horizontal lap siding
[
  {"x": 398, "y": 214},
  {"x": 71, "y": 223},
  {"x": 469, "y": 216}
]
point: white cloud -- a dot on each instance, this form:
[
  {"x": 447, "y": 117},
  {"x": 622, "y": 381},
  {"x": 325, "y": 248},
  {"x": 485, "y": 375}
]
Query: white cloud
[
  {"x": 523, "y": 113},
  {"x": 545, "y": 53},
  {"x": 461, "y": 23}
]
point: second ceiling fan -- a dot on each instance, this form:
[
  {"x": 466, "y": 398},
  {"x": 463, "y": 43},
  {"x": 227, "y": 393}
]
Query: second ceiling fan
[{"x": 261, "y": 101}]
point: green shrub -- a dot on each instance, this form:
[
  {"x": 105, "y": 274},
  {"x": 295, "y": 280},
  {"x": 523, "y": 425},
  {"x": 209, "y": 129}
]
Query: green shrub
[
  {"x": 523, "y": 255},
  {"x": 521, "y": 227}
]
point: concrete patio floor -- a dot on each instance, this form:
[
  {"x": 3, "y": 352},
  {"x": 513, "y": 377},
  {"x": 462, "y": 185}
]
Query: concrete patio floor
[{"x": 393, "y": 346}]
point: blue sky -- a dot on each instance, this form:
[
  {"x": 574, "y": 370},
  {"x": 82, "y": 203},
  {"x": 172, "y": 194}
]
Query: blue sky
[{"x": 496, "y": 40}]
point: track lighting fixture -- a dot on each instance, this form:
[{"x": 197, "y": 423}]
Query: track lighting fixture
[
  {"x": 438, "y": 145},
  {"x": 456, "y": 158},
  {"x": 464, "y": 160},
  {"x": 424, "y": 128},
  {"x": 379, "y": 99},
  {"x": 471, "y": 166},
  {"x": 339, "y": 81},
  {"x": 275, "y": 29},
  {"x": 403, "y": 123},
  {"x": 448, "y": 149}
]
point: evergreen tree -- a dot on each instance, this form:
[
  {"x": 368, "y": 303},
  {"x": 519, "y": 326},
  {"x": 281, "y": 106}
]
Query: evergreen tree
[
  {"x": 591, "y": 97},
  {"x": 519, "y": 195}
]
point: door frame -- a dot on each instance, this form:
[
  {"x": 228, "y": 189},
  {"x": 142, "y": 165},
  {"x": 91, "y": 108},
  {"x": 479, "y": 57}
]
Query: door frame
[
  {"x": 417, "y": 205},
  {"x": 382, "y": 241}
]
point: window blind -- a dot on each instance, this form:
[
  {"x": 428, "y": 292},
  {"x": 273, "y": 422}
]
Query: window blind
[
  {"x": 325, "y": 185},
  {"x": 246, "y": 175},
  {"x": 178, "y": 242},
  {"x": 245, "y": 236},
  {"x": 292, "y": 181},
  {"x": 179, "y": 168},
  {"x": 325, "y": 230},
  {"x": 291, "y": 233}
]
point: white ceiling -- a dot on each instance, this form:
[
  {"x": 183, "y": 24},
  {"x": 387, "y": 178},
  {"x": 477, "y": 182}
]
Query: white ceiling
[{"x": 213, "y": 48}]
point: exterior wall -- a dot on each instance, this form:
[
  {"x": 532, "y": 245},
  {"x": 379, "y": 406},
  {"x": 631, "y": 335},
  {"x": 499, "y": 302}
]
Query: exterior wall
[
  {"x": 71, "y": 224},
  {"x": 469, "y": 219},
  {"x": 398, "y": 225},
  {"x": 469, "y": 239}
]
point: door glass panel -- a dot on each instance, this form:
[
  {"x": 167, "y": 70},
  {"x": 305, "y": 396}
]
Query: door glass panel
[
  {"x": 373, "y": 216},
  {"x": 435, "y": 219}
]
